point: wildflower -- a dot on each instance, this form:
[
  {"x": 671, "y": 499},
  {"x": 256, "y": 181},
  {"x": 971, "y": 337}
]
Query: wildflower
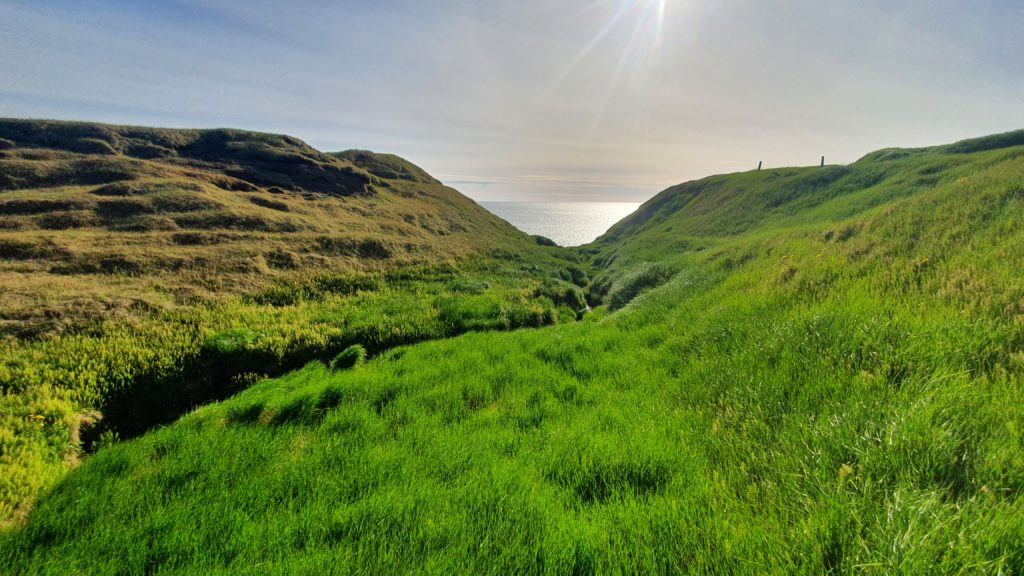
[{"x": 844, "y": 472}]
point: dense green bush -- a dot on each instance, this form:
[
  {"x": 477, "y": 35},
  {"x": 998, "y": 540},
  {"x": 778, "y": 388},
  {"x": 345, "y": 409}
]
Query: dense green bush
[
  {"x": 562, "y": 294},
  {"x": 576, "y": 275},
  {"x": 638, "y": 280},
  {"x": 351, "y": 357},
  {"x": 231, "y": 342}
]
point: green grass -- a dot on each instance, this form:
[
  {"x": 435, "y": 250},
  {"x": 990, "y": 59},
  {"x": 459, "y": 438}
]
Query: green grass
[
  {"x": 807, "y": 371},
  {"x": 127, "y": 254},
  {"x": 148, "y": 371}
]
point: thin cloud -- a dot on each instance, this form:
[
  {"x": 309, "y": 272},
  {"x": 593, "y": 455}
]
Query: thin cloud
[{"x": 580, "y": 99}]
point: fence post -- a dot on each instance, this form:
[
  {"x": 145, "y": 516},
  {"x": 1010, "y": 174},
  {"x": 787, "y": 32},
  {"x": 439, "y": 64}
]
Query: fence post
[{"x": 759, "y": 165}]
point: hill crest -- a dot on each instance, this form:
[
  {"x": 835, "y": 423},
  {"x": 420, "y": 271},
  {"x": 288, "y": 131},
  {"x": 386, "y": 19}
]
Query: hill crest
[{"x": 246, "y": 160}]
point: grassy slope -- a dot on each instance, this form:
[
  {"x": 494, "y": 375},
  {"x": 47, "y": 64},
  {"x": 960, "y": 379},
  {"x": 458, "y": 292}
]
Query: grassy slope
[
  {"x": 125, "y": 251},
  {"x": 826, "y": 378},
  {"x": 184, "y": 216}
]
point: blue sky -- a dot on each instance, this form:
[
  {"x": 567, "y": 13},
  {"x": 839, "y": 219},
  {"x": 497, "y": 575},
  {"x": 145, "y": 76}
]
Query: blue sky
[{"x": 534, "y": 99}]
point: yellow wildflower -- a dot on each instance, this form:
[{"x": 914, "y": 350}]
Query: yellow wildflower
[{"x": 845, "y": 471}]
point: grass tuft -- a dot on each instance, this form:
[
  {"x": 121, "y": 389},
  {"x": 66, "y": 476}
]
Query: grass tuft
[{"x": 352, "y": 357}]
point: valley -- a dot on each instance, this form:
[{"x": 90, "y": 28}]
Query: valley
[{"x": 786, "y": 371}]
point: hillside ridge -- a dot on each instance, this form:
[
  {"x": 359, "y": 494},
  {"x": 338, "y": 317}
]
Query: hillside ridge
[
  {"x": 248, "y": 159},
  {"x": 727, "y": 204}
]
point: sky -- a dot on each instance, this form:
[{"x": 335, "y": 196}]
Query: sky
[{"x": 534, "y": 100}]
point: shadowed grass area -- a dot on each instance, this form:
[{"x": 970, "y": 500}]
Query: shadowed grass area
[{"x": 825, "y": 382}]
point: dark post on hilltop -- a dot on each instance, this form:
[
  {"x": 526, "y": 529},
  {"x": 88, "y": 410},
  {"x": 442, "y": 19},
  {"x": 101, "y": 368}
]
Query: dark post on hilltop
[{"x": 822, "y": 161}]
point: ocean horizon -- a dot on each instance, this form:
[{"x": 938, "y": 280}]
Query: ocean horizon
[{"x": 566, "y": 223}]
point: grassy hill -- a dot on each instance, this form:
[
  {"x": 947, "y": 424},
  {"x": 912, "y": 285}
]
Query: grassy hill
[
  {"x": 145, "y": 270},
  {"x": 189, "y": 215},
  {"x": 793, "y": 371}
]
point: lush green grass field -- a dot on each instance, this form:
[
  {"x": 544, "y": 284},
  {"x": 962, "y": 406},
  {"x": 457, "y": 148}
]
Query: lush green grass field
[
  {"x": 143, "y": 271},
  {"x": 792, "y": 371}
]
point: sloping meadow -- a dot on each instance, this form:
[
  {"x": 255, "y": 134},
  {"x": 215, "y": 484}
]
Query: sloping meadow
[
  {"x": 834, "y": 388},
  {"x": 146, "y": 271}
]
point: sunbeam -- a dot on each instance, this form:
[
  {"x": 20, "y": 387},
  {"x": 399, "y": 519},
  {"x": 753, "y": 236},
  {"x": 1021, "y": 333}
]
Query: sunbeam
[
  {"x": 660, "y": 23},
  {"x": 610, "y": 25},
  {"x": 645, "y": 21}
]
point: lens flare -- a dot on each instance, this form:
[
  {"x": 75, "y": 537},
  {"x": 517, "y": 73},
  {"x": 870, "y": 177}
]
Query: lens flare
[
  {"x": 660, "y": 23},
  {"x": 639, "y": 26}
]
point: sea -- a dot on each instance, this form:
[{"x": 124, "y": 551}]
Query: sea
[{"x": 567, "y": 223}]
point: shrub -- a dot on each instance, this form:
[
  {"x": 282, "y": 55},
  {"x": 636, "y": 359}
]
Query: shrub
[
  {"x": 231, "y": 341},
  {"x": 268, "y": 203},
  {"x": 121, "y": 265},
  {"x": 235, "y": 351},
  {"x": 197, "y": 239},
  {"x": 636, "y": 282},
  {"x": 178, "y": 201},
  {"x": 351, "y": 357},
  {"x": 346, "y": 285},
  {"x": 142, "y": 223},
  {"x": 282, "y": 259},
  {"x": 562, "y": 294},
  {"x": 532, "y": 314},
  {"x": 38, "y": 206},
  {"x": 146, "y": 150},
  {"x": 145, "y": 187},
  {"x": 575, "y": 275},
  {"x": 92, "y": 146},
  {"x": 280, "y": 295},
  {"x": 66, "y": 220},
  {"x": 573, "y": 298},
  {"x": 385, "y": 165},
  {"x": 467, "y": 312},
  {"x": 19, "y": 250},
  {"x": 599, "y": 288},
  {"x": 373, "y": 249},
  {"x": 225, "y": 220},
  {"x": 115, "y": 209},
  {"x": 993, "y": 142},
  {"x": 119, "y": 189}
]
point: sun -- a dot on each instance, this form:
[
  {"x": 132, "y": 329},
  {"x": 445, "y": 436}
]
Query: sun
[
  {"x": 637, "y": 28},
  {"x": 643, "y": 22}
]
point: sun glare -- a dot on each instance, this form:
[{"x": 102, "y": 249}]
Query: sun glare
[
  {"x": 639, "y": 27},
  {"x": 660, "y": 23}
]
